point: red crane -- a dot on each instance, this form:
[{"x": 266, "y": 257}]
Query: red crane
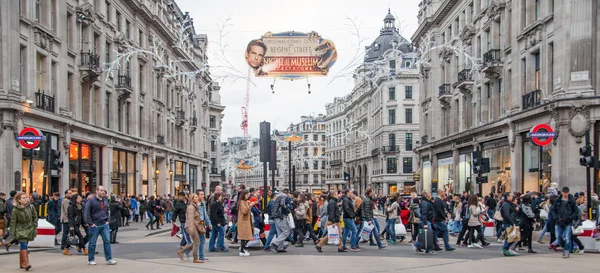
[{"x": 245, "y": 108}]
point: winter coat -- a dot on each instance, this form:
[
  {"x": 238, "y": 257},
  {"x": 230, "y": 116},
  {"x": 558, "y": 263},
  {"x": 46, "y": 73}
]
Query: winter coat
[
  {"x": 75, "y": 214},
  {"x": 393, "y": 210},
  {"x": 426, "y": 211},
  {"x": 179, "y": 211},
  {"x": 527, "y": 216},
  {"x": 415, "y": 213},
  {"x": 64, "y": 210},
  {"x": 255, "y": 216},
  {"x": 333, "y": 213},
  {"x": 367, "y": 209},
  {"x": 53, "y": 211},
  {"x": 95, "y": 213},
  {"x": 509, "y": 216},
  {"x": 245, "y": 228},
  {"x": 301, "y": 211},
  {"x": 347, "y": 208},
  {"x": 440, "y": 210},
  {"x": 23, "y": 223},
  {"x": 192, "y": 217},
  {"x": 2, "y": 208},
  {"x": 217, "y": 214},
  {"x": 474, "y": 219},
  {"x": 168, "y": 206},
  {"x": 568, "y": 215},
  {"x": 115, "y": 215},
  {"x": 280, "y": 207}
]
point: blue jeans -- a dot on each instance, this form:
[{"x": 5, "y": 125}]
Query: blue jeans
[
  {"x": 217, "y": 234},
  {"x": 390, "y": 228},
  {"x": 185, "y": 237},
  {"x": 23, "y": 245},
  {"x": 358, "y": 230},
  {"x": 563, "y": 234},
  {"x": 63, "y": 241},
  {"x": 201, "y": 247},
  {"x": 104, "y": 232},
  {"x": 349, "y": 229},
  {"x": 442, "y": 227},
  {"x": 543, "y": 231},
  {"x": 272, "y": 234},
  {"x": 168, "y": 216}
]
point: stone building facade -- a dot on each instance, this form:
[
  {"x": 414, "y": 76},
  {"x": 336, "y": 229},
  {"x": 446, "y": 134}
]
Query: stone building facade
[
  {"x": 145, "y": 129},
  {"x": 492, "y": 71},
  {"x": 371, "y": 132}
]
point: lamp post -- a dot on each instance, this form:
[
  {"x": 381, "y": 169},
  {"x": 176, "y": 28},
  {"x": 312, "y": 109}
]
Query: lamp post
[
  {"x": 171, "y": 183},
  {"x": 157, "y": 171}
]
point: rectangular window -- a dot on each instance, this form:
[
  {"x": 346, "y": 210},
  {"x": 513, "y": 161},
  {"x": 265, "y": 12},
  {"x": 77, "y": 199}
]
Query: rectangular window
[
  {"x": 408, "y": 92},
  {"x": 127, "y": 117},
  {"x": 408, "y": 141},
  {"x": 323, "y": 163},
  {"x": 107, "y": 55},
  {"x": 392, "y": 66},
  {"x": 408, "y": 115},
  {"x": 538, "y": 75},
  {"x": 213, "y": 122},
  {"x": 107, "y": 11},
  {"x": 140, "y": 38},
  {"x": 392, "y": 116},
  {"x": 391, "y": 165},
  {"x": 538, "y": 9},
  {"x": 127, "y": 29},
  {"x": 305, "y": 178},
  {"x": 315, "y": 164},
  {"x": 119, "y": 115},
  {"x": 213, "y": 146},
  {"x": 392, "y": 94},
  {"x": 392, "y": 140},
  {"x": 315, "y": 137},
  {"x": 118, "y": 22},
  {"x": 141, "y": 122},
  {"x": 107, "y": 111},
  {"x": 69, "y": 30},
  {"x": 38, "y": 7},
  {"x": 323, "y": 138},
  {"x": 407, "y": 165},
  {"x": 315, "y": 179}
]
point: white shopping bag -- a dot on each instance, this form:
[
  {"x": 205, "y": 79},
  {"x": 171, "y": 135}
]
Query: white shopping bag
[
  {"x": 255, "y": 242},
  {"x": 365, "y": 233},
  {"x": 400, "y": 230},
  {"x": 333, "y": 235}
]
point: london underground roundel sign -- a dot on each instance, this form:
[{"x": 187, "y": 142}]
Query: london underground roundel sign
[
  {"x": 542, "y": 134},
  {"x": 30, "y": 138}
]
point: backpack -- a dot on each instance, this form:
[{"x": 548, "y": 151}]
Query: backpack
[
  {"x": 233, "y": 208},
  {"x": 468, "y": 213}
]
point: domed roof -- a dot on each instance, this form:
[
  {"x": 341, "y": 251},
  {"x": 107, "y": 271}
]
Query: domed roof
[{"x": 389, "y": 38}]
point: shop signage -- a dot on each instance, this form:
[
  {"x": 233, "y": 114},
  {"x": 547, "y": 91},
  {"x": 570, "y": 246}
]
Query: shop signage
[
  {"x": 542, "y": 134},
  {"x": 30, "y": 138}
]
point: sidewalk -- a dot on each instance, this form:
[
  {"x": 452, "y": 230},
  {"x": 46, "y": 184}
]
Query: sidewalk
[{"x": 127, "y": 233}]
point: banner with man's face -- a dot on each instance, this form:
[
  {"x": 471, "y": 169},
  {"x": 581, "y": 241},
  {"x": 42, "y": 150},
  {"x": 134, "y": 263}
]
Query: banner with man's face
[{"x": 291, "y": 55}]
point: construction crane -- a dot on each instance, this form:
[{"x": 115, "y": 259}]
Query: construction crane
[{"x": 247, "y": 106}]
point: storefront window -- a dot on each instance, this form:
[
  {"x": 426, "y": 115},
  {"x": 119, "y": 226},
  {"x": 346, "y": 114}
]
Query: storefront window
[
  {"x": 446, "y": 174},
  {"x": 123, "y": 173},
  {"x": 464, "y": 172},
  {"x": 499, "y": 176},
  {"x": 426, "y": 176},
  {"x": 531, "y": 163},
  {"x": 84, "y": 162}
]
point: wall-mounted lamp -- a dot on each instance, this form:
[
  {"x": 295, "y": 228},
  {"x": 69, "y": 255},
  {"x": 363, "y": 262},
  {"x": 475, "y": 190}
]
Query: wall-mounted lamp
[
  {"x": 170, "y": 172},
  {"x": 157, "y": 172}
]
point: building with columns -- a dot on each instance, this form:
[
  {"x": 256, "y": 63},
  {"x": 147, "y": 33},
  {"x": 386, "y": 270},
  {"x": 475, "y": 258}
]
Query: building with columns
[
  {"x": 492, "y": 71},
  {"x": 144, "y": 129},
  {"x": 371, "y": 131}
]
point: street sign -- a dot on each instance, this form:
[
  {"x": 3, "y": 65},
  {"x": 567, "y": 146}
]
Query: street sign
[
  {"x": 30, "y": 138},
  {"x": 542, "y": 134}
]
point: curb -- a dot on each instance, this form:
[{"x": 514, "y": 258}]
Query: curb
[{"x": 30, "y": 250}]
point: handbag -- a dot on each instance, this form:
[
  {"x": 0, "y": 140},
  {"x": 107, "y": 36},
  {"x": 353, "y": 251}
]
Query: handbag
[
  {"x": 577, "y": 230},
  {"x": 72, "y": 239},
  {"x": 498, "y": 216},
  {"x": 200, "y": 228},
  {"x": 290, "y": 220},
  {"x": 174, "y": 230},
  {"x": 543, "y": 214}
]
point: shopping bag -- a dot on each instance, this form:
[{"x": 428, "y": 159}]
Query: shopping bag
[
  {"x": 513, "y": 234},
  {"x": 333, "y": 235},
  {"x": 316, "y": 226},
  {"x": 255, "y": 242},
  {"x": 174, "y": 230},
  {"x": 577, "y": 230},
  {"x": 543, "y": 214},
  {"x": 365, "y": 233},
  {"x": 400, "y": 230},
  {"x": 290, "y": 220}
]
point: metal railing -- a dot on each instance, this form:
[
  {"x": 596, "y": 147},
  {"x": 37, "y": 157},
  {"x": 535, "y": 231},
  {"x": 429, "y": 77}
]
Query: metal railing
[
  {"x": 445, "y": 89},
  {"x": 194, "y": 121},
  {"x": 124, "y": 81},
  {"x": 465, "y": 76},
  {"x": 375, "y": 152},
  {"x": 90, "y": 59},
  {"x": 160, "y": 139},
  {"x": 214, "y": 170},
  {"x": 335, "y": 162},
  {"x": 492, "y": 56},
  {"x": 390, "y": 149},
  {"x": 532, "y": 99},
  {"x": 44, "y": 102}
]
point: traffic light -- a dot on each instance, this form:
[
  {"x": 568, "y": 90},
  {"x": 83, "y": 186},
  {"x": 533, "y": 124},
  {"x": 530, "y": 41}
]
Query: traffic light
[
  {"x": 55, "y": 162},
  {"x": 481, "y": 180},
  {"x": 477, "y": 162},
  {"x": 586, "y": 160},
  {"x": 485, "y": 165}
]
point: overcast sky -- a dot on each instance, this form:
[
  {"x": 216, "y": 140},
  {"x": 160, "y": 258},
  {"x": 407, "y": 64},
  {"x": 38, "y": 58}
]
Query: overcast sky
[{"x": 251, "y": 19}]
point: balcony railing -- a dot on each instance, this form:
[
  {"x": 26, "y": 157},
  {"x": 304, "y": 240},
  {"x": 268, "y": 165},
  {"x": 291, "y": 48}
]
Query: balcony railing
[
  {"x": 124, "y": 81},
  {"x": 160, "y": 139},
  {"x": 375, "y": 152},
  {"x": 214, "y": 171},
  {"x": 492, "y": 56},
  {"x": 205, "y": 154},
  {"x": 390, "y": 149},
  {"x": 532, "y": 99},
  {"x": 194, "y": 121},
  {"x": 335, "y": 162},
  {"x": 445, "y": 90},
  {"x": 465, "y": 76},
  {"x": 90, "y": 60},
  {"x": 44, "y": 102}
]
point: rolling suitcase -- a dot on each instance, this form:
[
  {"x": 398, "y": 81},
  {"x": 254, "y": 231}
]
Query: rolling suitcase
[{"x": 425, "y": 239}]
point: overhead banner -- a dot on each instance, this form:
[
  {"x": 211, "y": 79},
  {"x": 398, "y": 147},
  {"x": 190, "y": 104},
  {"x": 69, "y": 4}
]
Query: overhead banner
[{"x": 291, "y": 55}]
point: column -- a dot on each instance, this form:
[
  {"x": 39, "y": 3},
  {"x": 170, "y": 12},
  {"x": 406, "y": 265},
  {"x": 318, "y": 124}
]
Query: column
[
  {"x": 206, "y": 180},
  {"x": 151, "y": 175},
  {"x": 516, "y": 164},
  {"x": 139, "y": 169},
  {"x": 386, "y": 188},
  {"x": 434, "y": 171},
  {"x": 107, "y": 169},
  {"x": 11, "y": 167},
  {"x": 455, "y": 175}
]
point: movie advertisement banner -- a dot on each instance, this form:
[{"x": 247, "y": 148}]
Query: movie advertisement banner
[{"x": 291, "y": 55}]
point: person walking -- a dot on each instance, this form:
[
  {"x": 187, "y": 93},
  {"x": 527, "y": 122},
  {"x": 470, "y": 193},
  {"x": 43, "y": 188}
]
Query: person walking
[
  {"x": 96, "y": 217},
  {"x": 281, "y": 210},
  {"x": 392, "y": 217},
  {"x": 116, "y": 210},
  {"x": 54, "y": 215},
  {"x": 348, "y": 216},
  {"x": 205, "y": 221},
  {"x": 23, "y": 226},
  {"x": 415, "y": 219},
  {"x": 273, "y": 230},
  {"x": 509, "y": 218},
  {"x": 217, "y": 218},
  {"x": 179, "y": 211},
  {"x": 440, "y": 220},
  {"x": 168, "y": 209},
  {"x": 151, "y": 211},
  {"x": 245, "y": 226},
  {"x": 368, "y": 215},
  {"x": 474, "y": 221},
  {"x": 526, "y": 223},
  {"x": 565, "y": 213},
  {"x": 64, "y": 219},
  {"x": 333, "y": 219},
  {"x": 75, "y": 214},
  {"x": 194, "y": 227},
  {"x": 300, "y": 213}
]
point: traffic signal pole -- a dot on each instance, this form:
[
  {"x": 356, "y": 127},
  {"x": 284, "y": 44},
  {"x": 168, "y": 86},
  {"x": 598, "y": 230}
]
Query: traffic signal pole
[
  {"x": 588, "y": 178},
  {"x": 541, "y": 168}
]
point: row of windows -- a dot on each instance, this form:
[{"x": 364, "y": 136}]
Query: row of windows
[
  {"x": 408, "y": 141},
  {"x": 407, "y": 116},
  {"x": 407, "y": 165},
  {"x": 408, "y": 93},
  {"x": 315, "y": 137}
]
